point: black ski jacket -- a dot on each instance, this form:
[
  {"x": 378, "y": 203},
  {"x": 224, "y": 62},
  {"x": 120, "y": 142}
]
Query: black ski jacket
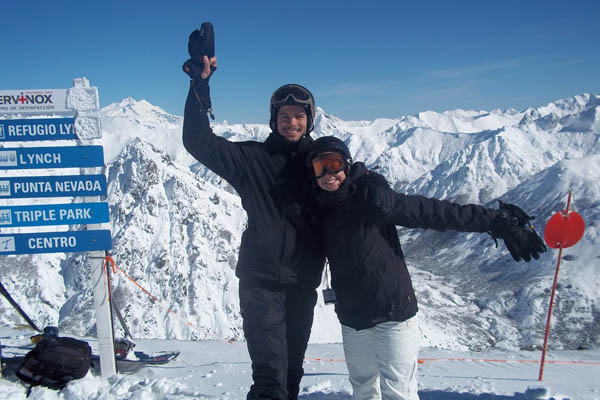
[
  {"x": 279, "y": 245},
  {"x": 358, "y": 225}
]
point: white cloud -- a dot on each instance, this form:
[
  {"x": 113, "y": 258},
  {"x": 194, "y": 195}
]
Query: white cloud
[{"x": 470, "y": 70}]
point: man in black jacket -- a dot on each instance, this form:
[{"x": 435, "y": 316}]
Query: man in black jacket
[{"x": 280, "y": 261}]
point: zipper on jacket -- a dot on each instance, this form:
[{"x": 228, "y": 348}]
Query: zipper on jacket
[
  {"x": 283, "y": 246},
  {"x": 389, "y": 297}
]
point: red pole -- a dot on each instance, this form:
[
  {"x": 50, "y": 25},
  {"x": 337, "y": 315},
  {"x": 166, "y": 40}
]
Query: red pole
[
  {"x": 566, "y": 212},
  {"x": 550, "y": 314},
  {"x": 560, "y": 249}
]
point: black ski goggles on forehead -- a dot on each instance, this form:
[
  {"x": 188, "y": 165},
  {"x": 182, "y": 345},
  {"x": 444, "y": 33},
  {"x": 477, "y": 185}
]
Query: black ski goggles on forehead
[
  {"x": 328, "y": 162},
  {"x": 291, "y": 94}
]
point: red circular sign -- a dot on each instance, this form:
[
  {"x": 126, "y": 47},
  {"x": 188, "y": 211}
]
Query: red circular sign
[{"x": 564, "y": 230}]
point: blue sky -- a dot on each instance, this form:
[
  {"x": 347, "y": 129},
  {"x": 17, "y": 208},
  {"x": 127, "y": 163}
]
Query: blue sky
[{"x": 361, "y": 59}]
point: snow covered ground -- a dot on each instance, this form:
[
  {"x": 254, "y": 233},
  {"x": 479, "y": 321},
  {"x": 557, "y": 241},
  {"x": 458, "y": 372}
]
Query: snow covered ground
[{"x": 221, "y": 370}]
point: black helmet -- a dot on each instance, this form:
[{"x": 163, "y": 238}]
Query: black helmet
[
  {"x": 295, "y": 95},
  {"x": 329, "y": 143}
]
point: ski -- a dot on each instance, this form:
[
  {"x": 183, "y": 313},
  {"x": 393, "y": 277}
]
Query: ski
[
  {"x": 131, "y": 365},
  {"x": 158, "y": 358}
]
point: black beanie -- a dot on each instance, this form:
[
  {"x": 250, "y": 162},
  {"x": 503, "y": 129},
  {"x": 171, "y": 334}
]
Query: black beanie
[{"x": 329, "y": 143}]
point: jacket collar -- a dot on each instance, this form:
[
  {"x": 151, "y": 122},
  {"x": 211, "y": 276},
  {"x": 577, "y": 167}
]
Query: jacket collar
[{"x": 281, "y": 145}]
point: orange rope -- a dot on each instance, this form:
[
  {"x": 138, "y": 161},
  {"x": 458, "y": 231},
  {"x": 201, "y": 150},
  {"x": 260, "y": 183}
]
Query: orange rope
[
  {"x": 116, "y": 269},
  {"x": 508, "y": 361},
  {"x": 423, "y": 360},
  {"x": 154, "y": 299}
]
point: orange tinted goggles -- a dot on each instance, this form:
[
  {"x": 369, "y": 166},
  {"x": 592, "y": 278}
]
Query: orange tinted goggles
[{"x": 329, "y": 162}]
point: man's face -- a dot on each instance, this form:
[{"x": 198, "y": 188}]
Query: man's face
[{"x": 291, "y": 122}]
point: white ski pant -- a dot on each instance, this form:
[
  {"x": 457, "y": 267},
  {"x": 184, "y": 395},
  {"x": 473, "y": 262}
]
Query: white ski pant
[{"x": 382, "y": 361}]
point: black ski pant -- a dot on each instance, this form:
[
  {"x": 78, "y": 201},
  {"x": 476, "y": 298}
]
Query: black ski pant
[{"x": 277, "y": 324}]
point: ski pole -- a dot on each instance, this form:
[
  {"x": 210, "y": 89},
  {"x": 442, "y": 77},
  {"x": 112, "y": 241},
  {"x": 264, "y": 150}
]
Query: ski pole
[
  {"x": 17, "y": 307},
  {"x": 120, "y": 318}
]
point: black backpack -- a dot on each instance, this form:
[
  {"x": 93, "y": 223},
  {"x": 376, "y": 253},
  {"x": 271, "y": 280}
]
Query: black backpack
[{"x": 54, "y": 361}]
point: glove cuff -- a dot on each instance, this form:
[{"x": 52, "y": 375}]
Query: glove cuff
[
  {"x": 500, "y": 224},
  {"x": 193, "y": 69}
]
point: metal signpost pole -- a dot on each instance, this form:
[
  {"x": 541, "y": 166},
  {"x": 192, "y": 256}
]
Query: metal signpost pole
[
  {"x": 96, "y": 259},
  {"x": 104, "y": 326}
]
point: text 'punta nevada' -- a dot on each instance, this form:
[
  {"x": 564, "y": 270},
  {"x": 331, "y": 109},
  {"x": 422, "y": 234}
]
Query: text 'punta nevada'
[{"x": 57, "y": 187}]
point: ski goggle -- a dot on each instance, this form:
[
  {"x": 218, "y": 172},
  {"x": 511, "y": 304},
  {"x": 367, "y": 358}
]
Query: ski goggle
[
  {"x": 291, "y": 94},
  {"x": 328, "y": 162}
]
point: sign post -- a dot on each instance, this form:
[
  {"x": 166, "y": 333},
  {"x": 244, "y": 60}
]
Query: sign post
[
  {"x": 84, "y": 100},
  {"x": 77, "y": 108}
]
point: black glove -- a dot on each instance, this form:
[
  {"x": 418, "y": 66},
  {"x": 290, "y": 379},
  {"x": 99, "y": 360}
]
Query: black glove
[
  {"x": 512, "y": 225},
  {"x": 201, "y": 43}
]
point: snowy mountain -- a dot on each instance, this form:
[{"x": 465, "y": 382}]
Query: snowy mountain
[{"x": 177, "y": 227}]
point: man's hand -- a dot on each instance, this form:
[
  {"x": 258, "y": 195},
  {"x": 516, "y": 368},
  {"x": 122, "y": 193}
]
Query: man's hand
[
  {"x": 201, "y": 47},
  {"x": 210, "y": 65},
  {"x": 203, "y": 70}
]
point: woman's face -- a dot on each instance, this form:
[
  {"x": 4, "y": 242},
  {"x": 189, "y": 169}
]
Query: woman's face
[
  {"x": 329, "y": 168},
  {"x": 331, "y": 182}
]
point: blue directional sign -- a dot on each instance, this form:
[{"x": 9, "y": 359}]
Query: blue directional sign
[
  {"x": 20, "y": 130},
  {"x": 53, "y": 186},
  {"x": 51, "y": 157},
  {"x": 55, "y": 242},
  {"x": 53, "y": 214}
]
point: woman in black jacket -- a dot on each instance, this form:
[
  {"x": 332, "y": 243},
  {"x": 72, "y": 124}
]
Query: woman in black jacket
[{"x": 376, "y": 303}]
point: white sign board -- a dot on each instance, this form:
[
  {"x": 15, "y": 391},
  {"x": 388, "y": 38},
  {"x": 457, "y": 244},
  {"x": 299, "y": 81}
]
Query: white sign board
[{"x": 35, "y": 101}]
